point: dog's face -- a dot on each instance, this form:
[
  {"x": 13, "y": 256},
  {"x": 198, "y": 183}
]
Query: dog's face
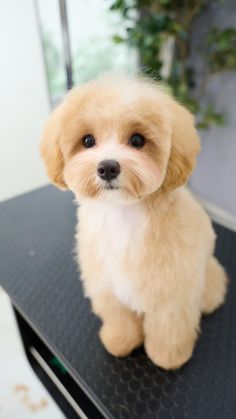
[{"x": 119, "y": 140}]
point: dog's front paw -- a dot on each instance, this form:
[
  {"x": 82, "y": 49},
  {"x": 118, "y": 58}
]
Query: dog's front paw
[
  {"x": 118, "y": 341},
  {"x": 169, "y": 357}
]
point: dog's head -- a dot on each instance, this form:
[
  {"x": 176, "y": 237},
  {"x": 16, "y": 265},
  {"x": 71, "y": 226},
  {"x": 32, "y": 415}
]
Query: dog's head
[{"x": 119, "y": 139}]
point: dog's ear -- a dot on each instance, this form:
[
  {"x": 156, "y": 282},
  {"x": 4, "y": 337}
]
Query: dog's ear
[
  {"x": 185, "y": 145},
  {"x": 51, "y": 151}
]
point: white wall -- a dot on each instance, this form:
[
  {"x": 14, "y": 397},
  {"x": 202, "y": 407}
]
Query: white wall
[
  {"x": 24, "y": 103},
  {"x": 215, "y": 174}
]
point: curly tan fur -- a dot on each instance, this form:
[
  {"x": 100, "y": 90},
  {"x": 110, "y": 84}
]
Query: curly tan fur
[{"x": 145, "y": 247}]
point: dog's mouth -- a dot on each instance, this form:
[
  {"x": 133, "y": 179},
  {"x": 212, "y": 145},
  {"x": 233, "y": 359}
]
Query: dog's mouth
[{"x": 110, "y": 187}]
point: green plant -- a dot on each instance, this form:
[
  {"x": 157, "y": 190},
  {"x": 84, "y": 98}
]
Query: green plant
[
  {"x": 221, "y": 49},
  {"x": 155, "y": 25}
]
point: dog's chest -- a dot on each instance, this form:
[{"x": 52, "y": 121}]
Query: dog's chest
[
  {"x": 119, "y": 231},
  {"x": 115, "y": 227}
]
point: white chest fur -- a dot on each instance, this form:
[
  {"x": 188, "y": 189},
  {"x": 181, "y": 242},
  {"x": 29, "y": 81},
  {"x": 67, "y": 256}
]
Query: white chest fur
[{"x": 119, "y": 230}]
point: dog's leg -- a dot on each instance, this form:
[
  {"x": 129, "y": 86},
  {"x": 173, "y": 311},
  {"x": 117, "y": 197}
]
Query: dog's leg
[
  {"x": 215, "y": 286},
  {"x": 170, "y": 334},
  {"x": 121, "y": 331}
]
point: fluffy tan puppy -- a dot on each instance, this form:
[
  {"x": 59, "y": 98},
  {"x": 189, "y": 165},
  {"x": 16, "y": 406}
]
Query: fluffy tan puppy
[{"x": 145, "y": 246}]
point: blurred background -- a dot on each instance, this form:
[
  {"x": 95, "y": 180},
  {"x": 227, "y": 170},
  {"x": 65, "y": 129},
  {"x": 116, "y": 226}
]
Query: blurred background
[{"x": 48, "y": 46}]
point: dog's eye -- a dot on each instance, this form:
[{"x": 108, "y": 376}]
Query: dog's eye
[
  {"x": 88, "y": 141},
  {"x": 137, "y": 140}
]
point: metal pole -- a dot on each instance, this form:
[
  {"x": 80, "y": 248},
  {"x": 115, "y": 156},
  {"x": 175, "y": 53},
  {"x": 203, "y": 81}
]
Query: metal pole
[{"x": 66, "y": 43}]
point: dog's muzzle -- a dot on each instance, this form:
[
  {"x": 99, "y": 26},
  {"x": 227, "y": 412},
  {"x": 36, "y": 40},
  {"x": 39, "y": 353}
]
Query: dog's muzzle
[{"x": 108, "y": 169}]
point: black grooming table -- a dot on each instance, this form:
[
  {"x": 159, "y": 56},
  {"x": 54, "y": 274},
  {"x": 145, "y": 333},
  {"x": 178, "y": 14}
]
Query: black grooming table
[{"x": 60, "y": 334}]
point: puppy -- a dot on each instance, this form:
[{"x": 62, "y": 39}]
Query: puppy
[{"x": 144, "y": 245}]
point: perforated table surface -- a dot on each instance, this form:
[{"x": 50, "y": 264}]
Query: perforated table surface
[{"x": 38, "y": 271}]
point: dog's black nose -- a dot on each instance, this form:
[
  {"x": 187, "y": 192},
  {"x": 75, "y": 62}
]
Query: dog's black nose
[{"x": 108, "y": 169}]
